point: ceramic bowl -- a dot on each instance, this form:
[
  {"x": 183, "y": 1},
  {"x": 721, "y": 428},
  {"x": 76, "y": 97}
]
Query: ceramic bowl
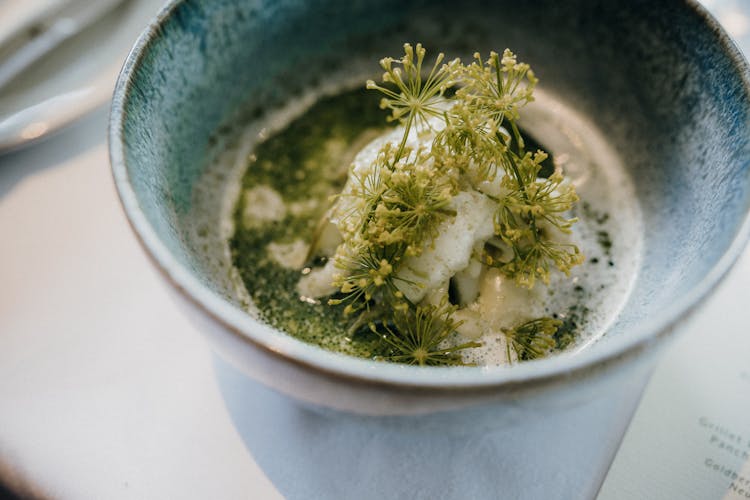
[{"x": 661, "y": 80}]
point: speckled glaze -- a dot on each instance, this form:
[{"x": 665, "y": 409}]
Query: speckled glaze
[{"x": 661, "y": 80}]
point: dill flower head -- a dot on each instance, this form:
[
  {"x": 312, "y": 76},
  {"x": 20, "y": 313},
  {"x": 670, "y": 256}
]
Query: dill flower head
[
  {"x": 533, "y": 339},
  {"x": 367, "y": 275},
  {"x": 498, "y": 87},
  {"x": 416, "y": 97},
  {"x": 419, "y": 336}
]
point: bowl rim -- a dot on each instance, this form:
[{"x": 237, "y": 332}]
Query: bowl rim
[{"x": 284, "y": 347}]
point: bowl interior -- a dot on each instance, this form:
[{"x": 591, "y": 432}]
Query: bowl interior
[{"x": 663, "y": 84}]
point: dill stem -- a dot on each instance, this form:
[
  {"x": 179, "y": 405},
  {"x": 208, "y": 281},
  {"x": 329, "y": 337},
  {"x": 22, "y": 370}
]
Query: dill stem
[
  {"x": 525, "y": 194},
  {"x": 518, "y": 177},
  {"x": 402, "y": 145},
  {"x": 519, "y": 138},
  {"x": 499, "y": 75},
  {"x": 507, "y": 351}
]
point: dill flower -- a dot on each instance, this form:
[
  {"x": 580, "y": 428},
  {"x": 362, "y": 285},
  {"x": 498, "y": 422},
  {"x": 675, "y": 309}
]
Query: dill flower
[
  {"x": 418, "y": 336},
  {"x": 367, "y": 275},
  {"x": 417, "y": 198},
  {"x": 468, "y": 143},
  {"x": 415, "y": 98},
  {"x": 498, "y": 87},
  {"x": 531, "y": 203},
  {"x": 534, "y": 260},
  {"x": 533, "y": 339}
]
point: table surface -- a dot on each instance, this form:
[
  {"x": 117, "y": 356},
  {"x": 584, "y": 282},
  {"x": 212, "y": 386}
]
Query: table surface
[{"x": 107, "y": 391}]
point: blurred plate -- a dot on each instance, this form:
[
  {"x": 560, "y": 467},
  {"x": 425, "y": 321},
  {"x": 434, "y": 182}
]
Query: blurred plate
[{"x": 73, "y": 79}]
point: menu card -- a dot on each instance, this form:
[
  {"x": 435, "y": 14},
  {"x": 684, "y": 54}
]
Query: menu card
[{"x": 690, "y": 438}]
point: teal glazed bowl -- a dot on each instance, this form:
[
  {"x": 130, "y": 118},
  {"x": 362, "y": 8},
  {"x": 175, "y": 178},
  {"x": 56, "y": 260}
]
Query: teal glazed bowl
[{"x": 662, "y": 82}]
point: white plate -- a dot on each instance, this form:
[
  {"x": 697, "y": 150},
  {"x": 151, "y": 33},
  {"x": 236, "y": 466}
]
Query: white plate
[{"x": 73, "y": 79}]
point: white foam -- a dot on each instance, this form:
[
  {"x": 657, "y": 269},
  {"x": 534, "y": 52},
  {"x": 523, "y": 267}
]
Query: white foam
[{"x": 601, "y": 180}]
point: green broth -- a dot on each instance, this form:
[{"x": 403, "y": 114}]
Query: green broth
[{"x": 306, "y": 162}]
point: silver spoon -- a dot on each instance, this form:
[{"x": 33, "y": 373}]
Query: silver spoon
[{"x": 28, "y": 44}]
